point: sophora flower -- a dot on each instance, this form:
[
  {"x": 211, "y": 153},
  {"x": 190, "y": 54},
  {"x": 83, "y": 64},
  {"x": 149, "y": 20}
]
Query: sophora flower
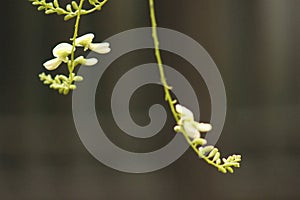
[
  {"x": 61, "y": 53},
  {"x": 86, "y": 61},
  {"x": 187, "y": 123},
  {"x": 85, "y": 41}
]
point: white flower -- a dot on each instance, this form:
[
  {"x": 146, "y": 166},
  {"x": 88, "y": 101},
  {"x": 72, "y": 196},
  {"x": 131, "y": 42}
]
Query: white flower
[
  {"x": 86, "y": 61},
  {"x": 61, "y": 53},
  {"x": 187, "y": 123},
  {"x": 203, "y": 127},
  {"x": 185, "y": 113},
  {"x": 86, "y": 42}
]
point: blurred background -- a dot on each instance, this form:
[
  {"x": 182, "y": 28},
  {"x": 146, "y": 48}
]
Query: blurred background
[{"x": 256, "y": 46}]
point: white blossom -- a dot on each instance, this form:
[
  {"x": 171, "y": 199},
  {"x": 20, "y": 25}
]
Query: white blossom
[
  {"x": 86, "y": 61},
  {"x": 61, "y": 53},
  {"x": 85, "y": 41},
  {"x": 187, "y": 123},
  {"x": 185, "y": 113}
]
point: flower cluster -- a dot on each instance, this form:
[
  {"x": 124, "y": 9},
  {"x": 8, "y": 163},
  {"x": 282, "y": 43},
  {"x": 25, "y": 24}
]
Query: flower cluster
[
  {"x": 63, "y": 50},
  {"x": 61, "y": 53},
  {"x": 65, "y": 53},
  {"x": 192, "y": 130},
  {"x": 70, "y": 11},
  {"x": 187, "y": 124}
]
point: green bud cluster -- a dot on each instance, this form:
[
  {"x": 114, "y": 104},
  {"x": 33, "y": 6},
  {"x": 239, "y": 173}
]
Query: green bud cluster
[
  {"x": 70, "y": 11},
  {"x": 213, "y": 157},
  {"x": 61, "y": 83}
]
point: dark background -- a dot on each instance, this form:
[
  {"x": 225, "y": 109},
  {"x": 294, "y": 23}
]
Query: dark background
[{"x": 255, "y": 45}]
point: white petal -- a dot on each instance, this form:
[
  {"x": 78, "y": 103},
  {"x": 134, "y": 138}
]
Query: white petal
[
  {"x": 187, "y": 114},
  {"x": 101, "y": 48},
  {"x": 177, "y": 128},
  {"x": 62, "y": 50},
  {"x": 191, "y": 130},
  {"x": 85, "y": 61},
  {"x": 90, "y": 61},
  {"x": 85, "y": 40},
  {"x": 52, "y": 64},
  {"x": 203, "y": 127}
]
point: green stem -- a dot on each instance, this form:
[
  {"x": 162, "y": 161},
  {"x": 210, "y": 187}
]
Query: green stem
[
  {"x": 194, "y": 147},
  {"x": 159, "y": 62},
  {"x": 71, "y": 66},
  {"x": 97, "y": 7},
  {"x": 165, "y": 84}
]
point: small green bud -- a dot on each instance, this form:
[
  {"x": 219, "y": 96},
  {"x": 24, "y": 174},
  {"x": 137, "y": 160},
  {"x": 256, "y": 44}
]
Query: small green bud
[
  {"x": 206, "y": 149},
  {"x": 60, "y": 11},
  {"x": 61, "y": 90},
  {"x": 50, "y": 11},
  {"x": 63, "y": 78},
  {"x": 216, "y": 157},
  {"x": 92, "y": 2},
  {"x": 50, "y": 5},
  {"x": 57, "y": 80},
  {"x": 73, "y": 87},
  {"x": 78, "y": 78},
  {"x": 199, "y": 141},
  {"x": 41, "y": 8},
  {"x": 222, "y": 169},
  {"x": 212, "y": 153},
  {"x": 234, "y": 164},
  {"x": 46, "y": 82},
  {"x": 230, "y": 169},
  {"x": 177, "y": 128},
  {"x": 67, "y": 17},
  {"x": 75, "y": 5},
  {"x": 55, "y": 2},
  {"x": 237, "y": 158},
  {"x": 69, "y": 8},
  {"x": 42, "y": 75},
  {"x": 66, "y": 91}
]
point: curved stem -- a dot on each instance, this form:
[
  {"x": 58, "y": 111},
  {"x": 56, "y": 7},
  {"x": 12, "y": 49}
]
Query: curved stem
[
  {"x": 97, "y": 7},
  {"x": 159, "y": 62},
  {"x": 165, "y": 84},
  {"x": 71, "y": 66}
]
